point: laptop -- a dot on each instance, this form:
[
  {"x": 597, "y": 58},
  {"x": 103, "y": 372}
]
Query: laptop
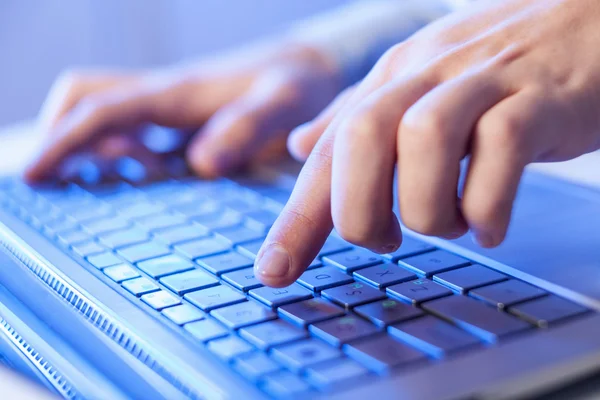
[{"x": 146, "y": 291}]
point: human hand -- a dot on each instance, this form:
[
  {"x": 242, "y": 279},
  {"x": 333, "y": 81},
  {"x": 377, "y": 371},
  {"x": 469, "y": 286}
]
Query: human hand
[
  {"x": 242, "y": 102},
  {"x": 506, "y": 83}
]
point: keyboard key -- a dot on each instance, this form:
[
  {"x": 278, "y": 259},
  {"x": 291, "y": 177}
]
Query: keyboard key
[
  {"x": 418, "y": 291},
  {"x": 143, "y": 251},
  {"x": 505, "y": 294},
  {"x": 187, "y": 281},
  {"x": 410, "y": 247},
  {"x": 284, "y": 384},
  {"x": 141, "y": 209},
  {"x": 103, "y": 225},
  {"x": 272, "y": 333},
  {"x": 219, "y": 221},
  {"x": 310, "y": 311},
  {"x": 183, "y": 314},
  {"x": 202, "y": 248},
  {"x": 214, "y": 297},
  {"x": 316, "y": 263},
  {"x": 87, "y": 248},
  {"x": 334, "y": 245},
  {"x": 323, "y": 278},
  {"x": 475, "y": 317},
  {"x": 161, "y": 221},
  {"x": 328, "y": 375},
  {"x": 547, "y": 310},
  {"x": 206, "y": 329},
  {"x": 243, "y": 314},
  {"x": 384, "y": 275},
  {"x": 381, "y": 353},
  {"x": 352, "y": 260},
  {"x": 178, "y": 234},
  {"x": 120, "y": 273},
  {"x": 386, "y": 312},
  {"x": 161, "y": 299},
  {"x": 250, "y": 249},
  {"x": 467, "y": 278},
  {"x": 299, "y": 355},
  {"x": 260, "y": 220},
  {"x": 103, "y": 260},
  {"x": 275, "y": 297},
  {"x": 229, "y": 347},
  {"x": 140, "y": 286},
  {"x": 353, "y": 294},
  {"x": 55, "y": 227},
  {"x": 433, "y": 336},
  {"x": 342, "y": 330},
  {"x": 122, "y": 238},
  {"x": 242, "y": 279},
  {"x": 238, "y": 235},
  {"x": 83, "y": 214},
  {"x": 198, "y": 209},
  {"x": 433, "y": 262},
  {"x": 72, "y": 237},
  {"x": 226, "y": 262},
  {"x": 255, "y": 365},
  {"x": 241, "y": 205},
  {"x": 165, "y": 265}
]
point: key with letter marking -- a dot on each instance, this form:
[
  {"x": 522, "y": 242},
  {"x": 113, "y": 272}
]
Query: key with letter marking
[
  {"x": 384, "y": 275},
  {"x": 386, "y": 312},
  {"x": 243, "y": 314},
  {"x": 342, "y": 330},
  {"x": 214, "y": 297},
  {"x": 353, "y": 294},
  {"x": 352, "y": 260},
  {"x": 322, "y": 278},
  {"x": 418, "y": 291},
  {"x": 310, "y": 311},
  {"x": 275, "y": 297}
]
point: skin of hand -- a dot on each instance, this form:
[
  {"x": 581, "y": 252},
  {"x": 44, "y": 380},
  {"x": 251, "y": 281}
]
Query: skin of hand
[
  {"x": 506, "y": 83},
  {"x": 239, "y": 106}
]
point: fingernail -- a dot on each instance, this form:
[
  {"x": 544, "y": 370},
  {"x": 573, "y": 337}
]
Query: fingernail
[
  {"x": 273, "y": 263},
  {"x": 389, "y": 248},
  {"x": 483, "y": 239},
  {"x": 454, "y": 235}
]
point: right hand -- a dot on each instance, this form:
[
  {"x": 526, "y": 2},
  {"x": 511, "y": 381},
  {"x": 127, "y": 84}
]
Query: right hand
[{"x": 237, "y": 104}]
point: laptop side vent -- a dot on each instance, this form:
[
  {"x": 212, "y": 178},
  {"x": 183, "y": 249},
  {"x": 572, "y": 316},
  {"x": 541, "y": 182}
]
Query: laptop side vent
[
  {"x": 93, "y": 313},
  {"x": 53, "y": 376}
]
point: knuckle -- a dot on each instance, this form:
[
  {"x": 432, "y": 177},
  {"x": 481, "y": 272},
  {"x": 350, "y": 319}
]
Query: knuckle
[
  {"x": 502, "y": 131},
  {"x": 425, "y": 129},
  {"x": 363, "y": 126}
]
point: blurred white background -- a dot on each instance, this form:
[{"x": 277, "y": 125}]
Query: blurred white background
[{"x": 40, "y": 38}]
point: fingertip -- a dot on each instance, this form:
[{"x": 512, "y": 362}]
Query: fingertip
[
  {"x": 485, "y": 239},
  {"x": 273, "y": 265},
  {"x": 205, "y": 163},
  {"x": 296, "y": 142}
]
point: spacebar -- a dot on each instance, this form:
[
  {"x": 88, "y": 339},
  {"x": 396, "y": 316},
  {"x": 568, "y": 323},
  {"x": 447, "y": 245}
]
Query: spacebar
[{"x": 483, "y": 321}]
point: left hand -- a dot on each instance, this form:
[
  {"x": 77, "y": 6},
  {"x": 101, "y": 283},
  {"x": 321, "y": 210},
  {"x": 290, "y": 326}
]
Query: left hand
[{"x": 506, "y": 82}]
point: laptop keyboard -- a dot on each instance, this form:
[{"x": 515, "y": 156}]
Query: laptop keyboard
[{"x": 185, "y": 249}]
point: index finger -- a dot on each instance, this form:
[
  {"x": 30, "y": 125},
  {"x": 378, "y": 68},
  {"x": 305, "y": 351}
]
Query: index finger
[{"x": 305, "y": 222}]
